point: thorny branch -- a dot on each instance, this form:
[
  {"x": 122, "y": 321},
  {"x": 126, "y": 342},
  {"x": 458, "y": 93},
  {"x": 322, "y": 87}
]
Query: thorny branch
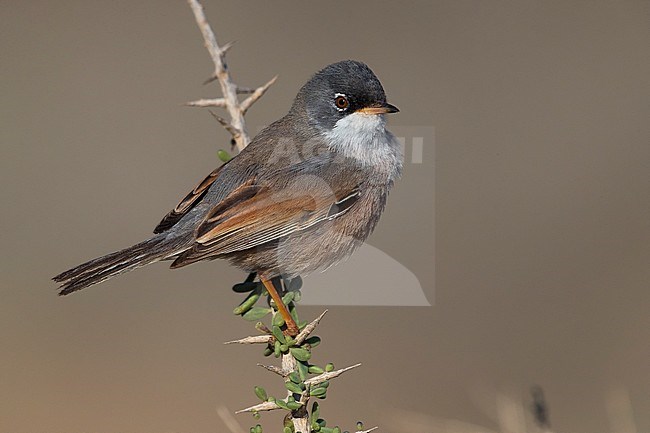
[{"x": 236, "y": 126}]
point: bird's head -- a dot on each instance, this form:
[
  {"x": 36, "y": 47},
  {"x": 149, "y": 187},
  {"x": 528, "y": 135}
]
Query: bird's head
[{"x": 340, "y": 91}]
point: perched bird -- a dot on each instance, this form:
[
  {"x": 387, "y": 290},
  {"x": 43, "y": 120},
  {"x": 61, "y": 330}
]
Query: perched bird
[{"x": 305, "y": 192}]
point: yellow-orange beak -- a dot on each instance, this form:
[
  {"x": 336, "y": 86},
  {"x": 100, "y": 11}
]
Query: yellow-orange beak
[{"x": 384, "y": 108}]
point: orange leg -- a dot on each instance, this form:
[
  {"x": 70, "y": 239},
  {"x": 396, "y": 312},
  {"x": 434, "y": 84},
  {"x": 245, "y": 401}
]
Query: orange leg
[{"x": 292, "y": 328}]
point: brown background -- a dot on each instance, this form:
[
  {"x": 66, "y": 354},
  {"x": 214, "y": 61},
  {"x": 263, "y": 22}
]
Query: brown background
[{"x": 542, "y": 182}]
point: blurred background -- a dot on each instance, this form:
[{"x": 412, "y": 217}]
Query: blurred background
[{"x": 537, "y": 265}]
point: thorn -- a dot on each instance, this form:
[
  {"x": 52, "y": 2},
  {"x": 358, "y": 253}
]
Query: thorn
[
  {"x": 226, "y": 47},
  {"x": 257, "y": 94},
  {"x": 267, "y": 405},
  {"x": 244, "y": 90},
  {"x": 233, "y": 131},
  {"x": 218, "y": 102},
  {"x": 302, "y": 336},
  {"x": 211, "y": 79},
  {"x": 274, "y": 369},
  {"x": 257, "y": 339},
  {"x": 220, "y": 119},
  {"x": 329, "y": 375}
]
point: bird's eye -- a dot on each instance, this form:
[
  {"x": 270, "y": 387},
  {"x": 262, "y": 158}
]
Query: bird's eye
[{"x": 341, "y": 103}]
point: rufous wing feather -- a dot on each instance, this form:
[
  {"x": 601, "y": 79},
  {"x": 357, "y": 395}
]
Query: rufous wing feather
[
  {"x": 188, "y": 202},
  {"x": 253, "y": 215}
]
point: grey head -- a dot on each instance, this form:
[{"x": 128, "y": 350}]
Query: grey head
[
  {"x": 343, "y": 106},
  {"x": 339, "y": 90}
]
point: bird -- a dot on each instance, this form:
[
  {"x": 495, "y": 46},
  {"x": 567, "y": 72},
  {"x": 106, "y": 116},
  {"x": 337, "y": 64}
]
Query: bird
[{"x": 302, "y": 196}]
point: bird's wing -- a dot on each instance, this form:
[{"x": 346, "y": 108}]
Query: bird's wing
[
  {"x": 255, "y": 213},
  {"x": 188, "y": 202}
]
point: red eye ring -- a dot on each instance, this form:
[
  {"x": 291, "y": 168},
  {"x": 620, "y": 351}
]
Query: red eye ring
[{"x": 341, "y": 102}]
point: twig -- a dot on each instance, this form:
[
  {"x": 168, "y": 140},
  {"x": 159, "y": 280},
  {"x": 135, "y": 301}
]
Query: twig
[
  {"x": 237, "y": 125},
  {"x": 261, "y": 407},
  {"x": 302, "y": 336},
  {"x": 255, "y": 339},
  {"x": 218, "y": 102},
  {"x": 257, "y": 94},
  {"x": 274, "y": 369},
  {"x": 329, "y": 375},
  {"x": 223, "y": 122}
]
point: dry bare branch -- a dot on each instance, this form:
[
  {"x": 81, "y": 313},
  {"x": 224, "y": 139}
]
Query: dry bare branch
[
  {"x": 255, "y": 339},
  {"x": 227, "y": 126},
  {"x": 217, "y": 102},
  {"x": 257, "y": 94},
  {"x": 274, "y": 369},
  {"x": 229, "y": 90},
  {"x": 261, "y": 407}
]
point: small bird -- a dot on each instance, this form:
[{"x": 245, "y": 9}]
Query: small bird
[{"x": 306, "y": 192}]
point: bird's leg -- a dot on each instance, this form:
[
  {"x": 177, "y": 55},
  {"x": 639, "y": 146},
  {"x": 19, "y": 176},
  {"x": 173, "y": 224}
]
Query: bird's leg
[{"x": 292, "y": 328}]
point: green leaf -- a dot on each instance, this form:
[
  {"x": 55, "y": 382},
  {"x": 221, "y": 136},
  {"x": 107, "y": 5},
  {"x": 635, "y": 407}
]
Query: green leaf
[
  {"x": 288, "y": 298},
  {"x": 314, "y": 369},
  {"x": 329, "y": 367},
  {"x": 247, "y": 304},
  {"x": 277, "y": 333},
  {"x": 313, "y": 341},
  {"x": 256, "y": 313},
  {"x": 278, "y": 320},
  {"x": 293, "y": 387},
  {"x": 293, "y": 405},
  {"x": 318, "y": 392},
  {"x": 223, "y": 155},
  {"x": 282, "y": 404},
  {"x": 315, "y": 410},
  {"x": 262, "y": 328},
  {"x": 300, "y": 354},
  {"x": 261, "y": 393},
  {"x": 303, "y": 369},
  {"x": 294, "y": 377},
  {"x": 294, "y": 313}
]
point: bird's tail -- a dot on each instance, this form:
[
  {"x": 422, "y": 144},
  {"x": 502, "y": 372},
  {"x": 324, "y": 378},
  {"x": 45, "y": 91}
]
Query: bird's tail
[{"x": 100, "y": 269}]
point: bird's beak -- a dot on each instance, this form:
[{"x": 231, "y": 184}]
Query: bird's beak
[{"x": 384, "y": 108}]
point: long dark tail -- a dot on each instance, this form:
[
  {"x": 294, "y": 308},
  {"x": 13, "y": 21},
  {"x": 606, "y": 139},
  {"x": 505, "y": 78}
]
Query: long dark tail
[{"x": 128, "y": 259}]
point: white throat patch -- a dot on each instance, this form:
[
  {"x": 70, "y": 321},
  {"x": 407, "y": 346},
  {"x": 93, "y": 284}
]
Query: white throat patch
[{"x": 364, "y": 137}]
